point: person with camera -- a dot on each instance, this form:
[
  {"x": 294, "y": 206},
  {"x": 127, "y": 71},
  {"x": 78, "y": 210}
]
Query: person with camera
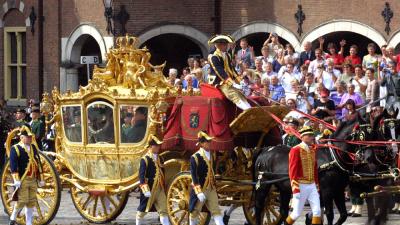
[
  {"x": 300, "y": 95},
  {"x": 390, "y": 82},
  {"x": 324, "y": 108}
]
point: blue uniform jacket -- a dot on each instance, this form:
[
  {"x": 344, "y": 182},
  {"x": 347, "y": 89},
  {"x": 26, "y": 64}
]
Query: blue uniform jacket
[
  {"x": 199, "y": 172},
  {"x": 217, "y": 66},
  {"x": 19, "y": 159},
  {"x": 147, "y": 175}
]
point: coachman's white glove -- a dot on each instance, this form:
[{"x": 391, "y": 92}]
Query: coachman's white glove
[
  {"x": 41, "y": 183},
  {"x": 237, "y": 86},
  {"x": 201, "y": 197},
  {"x": 147, "y": 194},
  {"x": 17, "y": 184}
]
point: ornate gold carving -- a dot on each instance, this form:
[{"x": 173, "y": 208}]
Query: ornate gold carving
[
  {"x": 257, "y": 119},
  {"x": 129, "y": 66}
]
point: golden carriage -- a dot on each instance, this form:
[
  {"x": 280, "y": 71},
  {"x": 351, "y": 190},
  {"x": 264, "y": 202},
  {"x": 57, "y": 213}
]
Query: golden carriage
[{"x": 99, "y": 165}]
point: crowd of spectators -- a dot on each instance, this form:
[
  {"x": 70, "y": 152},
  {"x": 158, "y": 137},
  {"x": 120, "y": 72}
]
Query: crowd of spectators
[{"x": 323, "y": 82}]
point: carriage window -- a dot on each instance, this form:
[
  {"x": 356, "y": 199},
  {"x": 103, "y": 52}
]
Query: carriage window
[
  {"x": 72, "y": 123},
  {"x": 100, "y": 123},
  {"x": 133, "y": 123}
]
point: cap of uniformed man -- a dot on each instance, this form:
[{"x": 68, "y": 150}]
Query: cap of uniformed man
[
  {"x": 154, "y": 140},
  {"x": 203, "y": 137},
  {"x": 25, "y": 131},
  {"x": 306, "y": 130},
  {"x": 35, "y": 110},
  {"x": 292, "y": 121},
  {"x": 21, "y": 110},
  {"x": 220, "y": 38}
]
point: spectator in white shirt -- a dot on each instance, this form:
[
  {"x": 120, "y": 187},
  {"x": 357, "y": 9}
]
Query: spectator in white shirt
[
  {"x": 329, "y": 76},
  {"x": 268, "y": 71},
  {"x": 266, "y": 57},
  {"x": 303, "y": 73},
  {"x": 288, "y": 76},
  {"x": 319, "y": 60},
  {"x": 310, "y": 86},
  {"x": 289, "y": 50},
  {"x": 287, "y": 60},
  {"x": 360, "y": 81}
]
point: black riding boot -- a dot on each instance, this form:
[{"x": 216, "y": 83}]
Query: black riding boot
[{"x": 12, "y": 222}]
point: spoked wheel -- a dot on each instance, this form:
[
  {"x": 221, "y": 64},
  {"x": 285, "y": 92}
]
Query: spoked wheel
[
  {"x": 271, "y": 214},
  {"x": 178, "y": 201},
  {"x": 98, "y": 208},
  {"x": 48, "y": 196}
]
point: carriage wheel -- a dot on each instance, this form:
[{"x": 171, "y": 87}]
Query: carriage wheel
[
  {"x": 98, "y": 208},
  {"x": 48, "y": 196},
  {"x": 271, "y": 215},
  {"x": 178, "y": 201}
]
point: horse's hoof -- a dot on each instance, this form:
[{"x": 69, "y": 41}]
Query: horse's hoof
[
  {"x": 349, "y": 214},
  {"x": 356, "y": 215}
]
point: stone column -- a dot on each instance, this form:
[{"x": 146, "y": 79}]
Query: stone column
[{"x": 69, "y": 79}]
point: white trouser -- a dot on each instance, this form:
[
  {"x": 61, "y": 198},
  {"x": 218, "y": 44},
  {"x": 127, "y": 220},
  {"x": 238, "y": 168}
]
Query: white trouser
[
  {"x": 308, "y": 192},
  {"x": 243, "y": 105}
]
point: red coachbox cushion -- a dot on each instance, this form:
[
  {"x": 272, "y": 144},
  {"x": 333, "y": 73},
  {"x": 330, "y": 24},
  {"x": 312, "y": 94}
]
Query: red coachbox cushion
[
  {"x": 208, "y": 90},
  {"x": 192, "y": 114}
]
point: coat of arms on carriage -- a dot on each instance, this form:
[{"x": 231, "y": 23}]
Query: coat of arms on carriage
[{"x": 194, "y": 120}]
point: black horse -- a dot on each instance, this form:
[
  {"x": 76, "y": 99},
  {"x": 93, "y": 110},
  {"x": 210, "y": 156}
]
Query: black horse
[{"x": 333, "y": 176}]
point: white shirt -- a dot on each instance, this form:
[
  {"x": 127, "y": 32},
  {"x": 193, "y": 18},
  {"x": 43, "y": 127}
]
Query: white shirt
[
  {"x": 327, "y": 79},
  {"x": 357, "y": 88},
  {"x": 27, "y": 147},
  {"x": 206, "y": 153},
  {"x": 267, "y": 75},
  {"x": 155, "y": 156},
  {"x": 283, "y": 69},
  {"x": 313, "y": 67},
  {"x": 287, "y": 78}
]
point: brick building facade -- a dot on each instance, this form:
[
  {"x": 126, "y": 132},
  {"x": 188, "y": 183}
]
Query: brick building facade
[{"x": 37, "y": 60}]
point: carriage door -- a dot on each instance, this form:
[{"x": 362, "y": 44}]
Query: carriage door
[
  {"x": 132, "y": 137},
  {"x": 101, "y": 150}
]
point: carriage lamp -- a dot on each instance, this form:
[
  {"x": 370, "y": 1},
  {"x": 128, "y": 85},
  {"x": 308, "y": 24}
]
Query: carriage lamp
[
  {"x": 108, "y": 13},
  {"x": 46, "y": 107}
]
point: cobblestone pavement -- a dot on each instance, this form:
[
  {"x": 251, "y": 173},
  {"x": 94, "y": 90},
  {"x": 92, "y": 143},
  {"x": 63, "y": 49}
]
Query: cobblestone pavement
[{"x": 67, "y": 215}]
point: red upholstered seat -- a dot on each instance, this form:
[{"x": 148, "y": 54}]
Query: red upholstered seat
[{"x": 208, "y": 90}]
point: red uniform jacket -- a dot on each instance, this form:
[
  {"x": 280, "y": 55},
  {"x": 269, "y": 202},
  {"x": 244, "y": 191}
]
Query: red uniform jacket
[{"x": 303, "y": 167}]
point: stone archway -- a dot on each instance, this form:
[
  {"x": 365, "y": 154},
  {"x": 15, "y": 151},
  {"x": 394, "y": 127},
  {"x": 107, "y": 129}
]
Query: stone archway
[
  {"x": 7, "y": 6},
  {"x": 195, "y": 35},
  {"x": 395, "y": 41},
  {"x": 344, "y": 25},
  {"x": 73, "y": 44},
  {"x": 71, "y": 52},
  {"x": 264, "y": 27}
]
